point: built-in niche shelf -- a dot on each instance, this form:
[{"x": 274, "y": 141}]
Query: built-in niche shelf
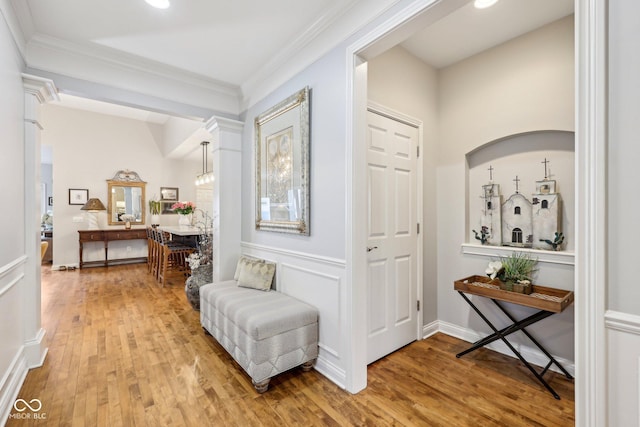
[
  {"x": 495, "y": 252},
  {"x": 515, "y": 166}
]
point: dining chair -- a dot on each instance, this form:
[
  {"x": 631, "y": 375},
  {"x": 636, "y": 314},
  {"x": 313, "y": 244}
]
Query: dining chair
[{"x": 173, "y": 257}]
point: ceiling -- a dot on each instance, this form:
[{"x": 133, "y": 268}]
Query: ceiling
[{"x": 229, "y": 41}]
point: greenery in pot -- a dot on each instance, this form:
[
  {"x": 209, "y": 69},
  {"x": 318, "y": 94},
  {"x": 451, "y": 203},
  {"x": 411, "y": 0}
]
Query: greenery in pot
[
  {"x": 154, "y": 207},
  {"x": 514, "y": 272}
]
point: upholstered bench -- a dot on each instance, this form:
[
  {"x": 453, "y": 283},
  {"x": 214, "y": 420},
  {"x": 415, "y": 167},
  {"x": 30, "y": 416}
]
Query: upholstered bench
[{"x": 265, "y": 331}]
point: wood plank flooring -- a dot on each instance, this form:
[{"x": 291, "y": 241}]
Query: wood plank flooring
[{"x": 124, "y": 351}]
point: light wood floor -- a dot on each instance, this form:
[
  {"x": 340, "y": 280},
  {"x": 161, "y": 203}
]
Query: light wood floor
[{"x": 123, "y": 351}]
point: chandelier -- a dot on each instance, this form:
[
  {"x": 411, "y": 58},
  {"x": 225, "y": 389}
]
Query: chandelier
[{"x": 205, "y": 177}]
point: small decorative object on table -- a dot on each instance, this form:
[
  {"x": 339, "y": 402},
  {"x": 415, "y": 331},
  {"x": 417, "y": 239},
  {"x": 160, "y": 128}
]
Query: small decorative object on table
[
  {"x": 514, "y": 272},
  {"x": 127, "y": 218}
]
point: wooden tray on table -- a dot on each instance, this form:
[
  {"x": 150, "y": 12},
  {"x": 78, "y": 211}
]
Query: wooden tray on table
[{"x": 542, "y": 297}]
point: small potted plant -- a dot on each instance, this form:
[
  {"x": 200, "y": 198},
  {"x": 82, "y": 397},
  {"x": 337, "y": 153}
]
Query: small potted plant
[
  {"x": 154, "y": 209},
  {"x": 513, "y": 272},
  {"x": 517, "y": 271}
]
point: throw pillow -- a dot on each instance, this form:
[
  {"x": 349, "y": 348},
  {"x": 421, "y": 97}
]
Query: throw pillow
[{"x": 255, "y": 273}]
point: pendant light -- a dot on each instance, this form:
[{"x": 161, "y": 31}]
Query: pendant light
[{"x": 205, "y": 177}]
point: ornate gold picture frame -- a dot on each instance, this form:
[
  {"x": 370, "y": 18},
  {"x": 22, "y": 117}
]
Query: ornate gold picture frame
[{"x": 282, "y": 166}]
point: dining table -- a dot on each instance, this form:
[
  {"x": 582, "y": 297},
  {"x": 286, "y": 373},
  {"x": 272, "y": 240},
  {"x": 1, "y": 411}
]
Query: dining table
[{"x": 183, "y": 233}]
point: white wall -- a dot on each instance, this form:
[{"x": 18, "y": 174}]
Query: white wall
[
  {"x": 311, "y": 268},
  {"x": 88, "y": 149},
  {"x": 500, "y": 92},
  {"x": 623, "y": 317},
  {"x": 400, "y": 81},
  {"x": 12, "y": 223},
  {"x": 526, "y": 84}
]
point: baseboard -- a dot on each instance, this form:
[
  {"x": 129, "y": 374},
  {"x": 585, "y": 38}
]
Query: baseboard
[
  {"x": 532, "y": 355},
  {"x": 11, "y": 384},
  {"x": 34, "y": 350},
  {"x": 331, "y": 371},
  {"x": 430, "y": 329}
]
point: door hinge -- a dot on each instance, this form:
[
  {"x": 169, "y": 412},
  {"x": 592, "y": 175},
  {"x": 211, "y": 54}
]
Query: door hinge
[
  {"x": 418, "y": 228},
  {"x": 418, "y": 305},
  {"x": 417, "y": 151}
]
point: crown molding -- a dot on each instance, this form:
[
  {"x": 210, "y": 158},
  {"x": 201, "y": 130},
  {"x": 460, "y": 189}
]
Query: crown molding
[
  {"x": 43, "y": 89},
  {"x": 129, "y": 62},
  {"x": 19, "y": 23},
  {"x": 332, "y": 28}
]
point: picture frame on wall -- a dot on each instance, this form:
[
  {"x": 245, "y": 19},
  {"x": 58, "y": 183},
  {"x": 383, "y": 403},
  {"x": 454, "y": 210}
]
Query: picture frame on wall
[
  {"x": 78, "y": 196},
  {"x": 169, "y": 193},
  {"x": 282, "y": 166},
  {"x": 166, "y": 208}
]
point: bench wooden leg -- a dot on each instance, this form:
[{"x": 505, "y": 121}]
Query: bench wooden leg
[
  {"x": 307, "y": 366},
  {"x": 262, "y": 386}
]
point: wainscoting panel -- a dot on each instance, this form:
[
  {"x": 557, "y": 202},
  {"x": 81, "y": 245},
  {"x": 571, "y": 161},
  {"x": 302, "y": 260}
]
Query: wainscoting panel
[
  {"x": 318, "y": 281},
  {"x": 13, "y": 366},
  {"x": 623, "y": 338}
]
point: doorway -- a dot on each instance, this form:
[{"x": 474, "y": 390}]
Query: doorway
[{"x": 393, "y": 244}]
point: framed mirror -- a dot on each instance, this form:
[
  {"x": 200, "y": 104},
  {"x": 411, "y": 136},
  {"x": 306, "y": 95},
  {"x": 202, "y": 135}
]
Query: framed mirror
[
  {"x": 282, "y": 166},
  {"x": 126, "y": 194}
]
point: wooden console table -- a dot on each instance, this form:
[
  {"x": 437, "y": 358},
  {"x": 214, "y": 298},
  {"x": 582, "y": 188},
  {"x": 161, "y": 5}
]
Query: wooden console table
[
  {"x": 546, "y": 300},
  {"x": 107, "y": 236}
]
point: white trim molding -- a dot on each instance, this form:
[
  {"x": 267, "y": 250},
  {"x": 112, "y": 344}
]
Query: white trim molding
[
  {"x": 623, "y": 322},
  {"x": 550, "y": 257},
  {"x": 591, "y": 391},
  {"x": 531, "y": 354}
]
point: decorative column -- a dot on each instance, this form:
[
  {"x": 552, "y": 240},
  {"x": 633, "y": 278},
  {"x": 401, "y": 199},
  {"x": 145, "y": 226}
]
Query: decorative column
[
  {"x": 226, "y": 153},
  {"x": 36, "y": 91}
]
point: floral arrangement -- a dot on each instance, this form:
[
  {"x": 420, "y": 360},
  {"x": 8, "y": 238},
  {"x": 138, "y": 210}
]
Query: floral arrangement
[
  {"x": 204, "y": 254},
  {"x": 127, "y": 217},
  {"x": 184, "y": 208}
]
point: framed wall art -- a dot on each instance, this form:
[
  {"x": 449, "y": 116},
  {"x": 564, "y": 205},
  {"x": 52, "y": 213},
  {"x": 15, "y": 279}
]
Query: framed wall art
[
  {"x": 169, "y": 193},
  {"x": 282, "y": 166},
  {"x": 166, "y": 208},
  {"x": 78, "y": 196}
]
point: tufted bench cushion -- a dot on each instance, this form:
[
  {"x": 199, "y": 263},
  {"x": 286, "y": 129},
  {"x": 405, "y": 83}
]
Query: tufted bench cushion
[{"x": 265, "y": 332}]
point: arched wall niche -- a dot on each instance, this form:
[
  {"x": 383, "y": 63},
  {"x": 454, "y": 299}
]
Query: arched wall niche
[{"x": 522, "y": 156}]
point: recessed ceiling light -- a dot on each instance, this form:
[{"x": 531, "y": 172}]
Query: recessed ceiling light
[
  {"x": 482, "y": 4},
  {"x": 160, "y": 4}
]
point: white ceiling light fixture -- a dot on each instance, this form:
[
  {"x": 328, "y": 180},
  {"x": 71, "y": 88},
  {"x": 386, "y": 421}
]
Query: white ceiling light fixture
[
  {"x": 205, "y": 177},
  {"x": 483, "y": 4},
  {"x": 159, "y": 4}
]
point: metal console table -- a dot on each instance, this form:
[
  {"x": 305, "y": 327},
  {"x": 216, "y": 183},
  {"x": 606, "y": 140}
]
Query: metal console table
[{"x": 548, "y": 301}]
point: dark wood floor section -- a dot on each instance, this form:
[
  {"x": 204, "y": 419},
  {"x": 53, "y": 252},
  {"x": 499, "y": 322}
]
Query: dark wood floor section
[{"x": 123, "y": 351}]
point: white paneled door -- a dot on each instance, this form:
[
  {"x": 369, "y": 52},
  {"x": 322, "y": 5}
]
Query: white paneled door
[{"x": 392, "y": 229}]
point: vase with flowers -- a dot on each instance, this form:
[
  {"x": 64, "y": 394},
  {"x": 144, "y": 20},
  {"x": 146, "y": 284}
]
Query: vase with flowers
[{"x": 184, "y": 211}]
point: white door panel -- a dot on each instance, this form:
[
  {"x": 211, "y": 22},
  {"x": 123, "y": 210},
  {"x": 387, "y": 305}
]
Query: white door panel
[{"x": 392, "y": 235}]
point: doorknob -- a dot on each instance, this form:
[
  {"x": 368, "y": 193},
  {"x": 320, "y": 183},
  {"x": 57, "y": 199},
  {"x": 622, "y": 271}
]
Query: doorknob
[{"x": 370, "y": 248}]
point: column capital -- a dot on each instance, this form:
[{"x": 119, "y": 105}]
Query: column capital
[
  {"x": 43, "y": 89},
  {"x": 222, "y": 124}
]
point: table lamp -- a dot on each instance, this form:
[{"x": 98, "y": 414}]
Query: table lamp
[{"x": 93, "y": 206}]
